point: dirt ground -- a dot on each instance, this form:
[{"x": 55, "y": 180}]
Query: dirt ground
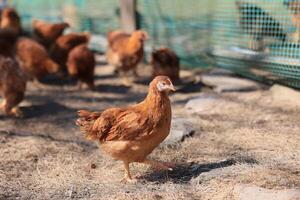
[{"x": 44, "y": 155}]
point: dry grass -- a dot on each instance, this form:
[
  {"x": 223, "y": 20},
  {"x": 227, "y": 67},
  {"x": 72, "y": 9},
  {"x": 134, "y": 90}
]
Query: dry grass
[{"x": 44, "y": 156}]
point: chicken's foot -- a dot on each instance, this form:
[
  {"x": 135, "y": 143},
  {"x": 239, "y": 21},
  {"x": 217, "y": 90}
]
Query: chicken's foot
[
  {"x": 2, "y": 105},
  {"x": 127, "y": 177},
  {"x": 16, "y": 112},
  {"x": 79, "y": 85}
]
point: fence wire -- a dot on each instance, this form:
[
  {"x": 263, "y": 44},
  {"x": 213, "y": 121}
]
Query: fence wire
[{"x": 255, "y": 38}]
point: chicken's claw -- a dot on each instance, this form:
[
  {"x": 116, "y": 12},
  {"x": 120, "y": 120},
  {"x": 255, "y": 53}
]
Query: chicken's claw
[
  {"x": 16, "y": 112},
  {"x": 129, "y": 180}
]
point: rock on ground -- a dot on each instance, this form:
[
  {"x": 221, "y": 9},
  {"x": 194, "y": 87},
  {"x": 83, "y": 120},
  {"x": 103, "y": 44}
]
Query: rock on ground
[
  {"x": 224, "y": 82},
  {"x": 246, "y": 192},
  {"x": 208, "y": 104},
  {"x": 180, "y": 128},
  {"x": 284, "y": 95}
]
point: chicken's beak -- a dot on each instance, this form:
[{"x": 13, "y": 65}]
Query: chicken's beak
[
  {"x": 172, "y": 88},
  {"x": 146, "y": 36}
]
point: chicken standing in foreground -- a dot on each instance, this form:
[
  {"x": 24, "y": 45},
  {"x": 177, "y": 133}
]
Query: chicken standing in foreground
[
  {"x": 12, "y": 86},
  {"x": 130, "y": 134}
]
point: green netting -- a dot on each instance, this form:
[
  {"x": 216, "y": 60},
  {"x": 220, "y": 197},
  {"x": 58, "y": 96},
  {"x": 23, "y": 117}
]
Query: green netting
[
  {"x": 180, "y": 25},
  {"x": 256, "y": 38},
  {"x": 84, "y": 15}
]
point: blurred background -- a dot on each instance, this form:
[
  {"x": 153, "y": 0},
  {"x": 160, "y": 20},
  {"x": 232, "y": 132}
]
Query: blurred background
[{"x": 202, "y": 33}]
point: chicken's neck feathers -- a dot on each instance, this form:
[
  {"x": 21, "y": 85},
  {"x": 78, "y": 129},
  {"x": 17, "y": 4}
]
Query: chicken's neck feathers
[
  {"x": 134, "y": 45},
  {"x": 156, "y": 104}
]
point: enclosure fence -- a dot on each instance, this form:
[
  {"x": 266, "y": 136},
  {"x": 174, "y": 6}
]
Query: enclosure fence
[{"x": 255, "y": 38}]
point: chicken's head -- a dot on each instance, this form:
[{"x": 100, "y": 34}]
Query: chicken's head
[
  {"x": 162, "y": 84},
  {"x": 10, "y": 13},
  {"x": 140, "y": 35},
  {"x": 65, "y": 25}
]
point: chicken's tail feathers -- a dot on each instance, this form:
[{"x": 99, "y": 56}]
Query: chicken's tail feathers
[{"x": 86, "y": 121}]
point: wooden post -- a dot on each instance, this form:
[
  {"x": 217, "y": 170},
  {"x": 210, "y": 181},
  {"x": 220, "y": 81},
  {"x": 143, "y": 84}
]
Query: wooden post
[{"x": 127, "y": 14}]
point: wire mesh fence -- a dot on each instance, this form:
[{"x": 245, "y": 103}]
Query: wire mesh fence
[
  {"x": 180, "y": 25},
  {"x": 256, "y": 38},
  {"x": 83, "y": 15}
]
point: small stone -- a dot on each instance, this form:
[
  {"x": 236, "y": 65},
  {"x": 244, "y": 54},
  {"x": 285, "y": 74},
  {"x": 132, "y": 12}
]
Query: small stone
[
  {"x": 157, "y": 197},
  {"x": 285, "y": 95},
  {"x": 206, "y": 104},
  {"x": 35, "y": 159},
  {"x": 180, "y": 129},
  {"x": 93, "y": 166},
  {"x": 225, "y": 83}
]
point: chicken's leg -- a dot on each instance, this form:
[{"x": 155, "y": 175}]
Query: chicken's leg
[
  {"x": 126, "y": 81},
  {"x": 127, "y": 176},
  {"x": 16, "y": 112},
  {"x": 11, "y": 110},
  {"x": 159, "y": 165},
  {"x": 135, "y": 74},
  {"x": 2, "y": 105},
  {"x": 79, "y": 85}
]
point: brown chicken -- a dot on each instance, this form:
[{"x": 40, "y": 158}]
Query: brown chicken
[
  {"x": 294, "y": 7},
  {"x": 165, "y": 62},
  {"x": 64, "y": 44},
  {"x": 46, "y": 33},
  {"x": 126, "y": 51},
  {"x": 81, "y": 65},
  {"x": 12, "y": 86},
  {"x": 10, "y": 19},
  {"x": 8, "y": 39},
  {"x": 131, "y": 133},
  {"x": 34, "y": 59},
  {"x": 113, "y": 34}
]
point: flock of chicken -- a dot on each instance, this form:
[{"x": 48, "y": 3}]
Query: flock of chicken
[
  {"x": 128, "y": 134},
  {"x": 49, "y": 51}
]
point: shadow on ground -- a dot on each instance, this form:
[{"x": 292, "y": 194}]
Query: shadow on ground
[
  {"x": 6, "y": 134},
  {"x": 58, "y": 81},
  {"x": 121, "y": 89},
  {"x": 183, "y": 173},
  {"x": 46, "y": 109}
]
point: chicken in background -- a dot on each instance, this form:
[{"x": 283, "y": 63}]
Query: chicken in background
[
  {"x": 8, "y": 39},
  {"x": 81, "y": 64},
  {"x": 259, "y": 24},
  {"x": 294, "y": 7},
  {"x": 46, "y": 33},
  {"x": 11, "y": 20},
  {"x": 131, "y": 133},
  {"x": 126, "y": 51},
  {"x": 34, "y": 59},
  {"x": 64, "y": 44},
  {"x": 113, "y": 34},
  {"x": 165, "y": 62},
  {"x": 12, "y": 86}
]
